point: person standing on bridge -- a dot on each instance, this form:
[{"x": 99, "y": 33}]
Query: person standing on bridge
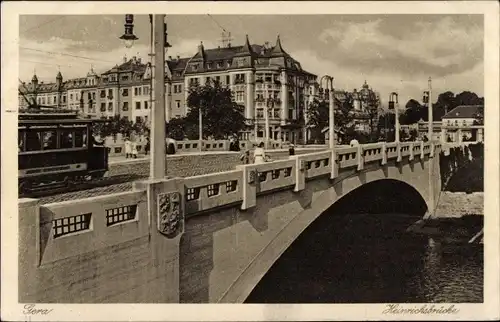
[
  {"x": 259, "y": 155},
  {"x": 128, "y": 148}
]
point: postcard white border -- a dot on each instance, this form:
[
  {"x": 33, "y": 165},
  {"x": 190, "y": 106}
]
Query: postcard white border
[{"x": 12, "y": 311}]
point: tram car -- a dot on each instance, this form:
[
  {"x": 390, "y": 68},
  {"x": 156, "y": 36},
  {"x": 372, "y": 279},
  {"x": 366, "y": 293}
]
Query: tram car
[{"x": 57, "y": 150}]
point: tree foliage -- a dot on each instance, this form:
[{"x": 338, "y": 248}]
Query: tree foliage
[
  {"x": 119, "y": 125},
  {"x": 445, "y": 102},
  {"x": 221, "y": 116},
  {"x": 318, "y": 115}
]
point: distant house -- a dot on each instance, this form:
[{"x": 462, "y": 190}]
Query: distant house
[{"x": 463, "y": 115}]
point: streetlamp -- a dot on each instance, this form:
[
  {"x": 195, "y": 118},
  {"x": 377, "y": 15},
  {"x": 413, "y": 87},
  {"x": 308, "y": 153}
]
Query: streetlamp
[
  {"x": 128, "y": 37},
  {"x": 394, "y": 105},
  {"x": 331, "y": 121},
  {"x": 430, "y": 115},
  {"x": 158, "y": 162}
]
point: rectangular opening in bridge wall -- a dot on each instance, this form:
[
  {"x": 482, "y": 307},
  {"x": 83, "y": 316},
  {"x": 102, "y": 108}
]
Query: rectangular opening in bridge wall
[
  {"x": 121, "y": 214},
  {"x": 231, "y": 185},
  {"x": 192, "y": 194},
  {"x": 70, "y": 225},
  {"x": 213, "y": 189}
]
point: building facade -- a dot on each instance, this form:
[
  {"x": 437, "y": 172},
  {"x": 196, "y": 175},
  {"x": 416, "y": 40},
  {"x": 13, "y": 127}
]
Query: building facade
[{"x": 259, "y": 76}]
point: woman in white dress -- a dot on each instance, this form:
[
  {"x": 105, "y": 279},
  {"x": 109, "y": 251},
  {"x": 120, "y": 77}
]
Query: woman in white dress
[
  {"x": 259, "y": 155},
  {"x": 128, "y": 148}
]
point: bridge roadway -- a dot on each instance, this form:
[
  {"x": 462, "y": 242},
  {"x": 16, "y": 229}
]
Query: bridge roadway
[{"x": 122, "y": 173}]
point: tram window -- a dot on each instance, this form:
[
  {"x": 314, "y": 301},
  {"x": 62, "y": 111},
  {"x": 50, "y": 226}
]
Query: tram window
[
  {"x": 33, "y": 141},
  {"x": 66, "y": 139},
  {"x": 20, "y": 141},
  {"x": 49, "y": 140},
  {"x": 80, "y": 139}
]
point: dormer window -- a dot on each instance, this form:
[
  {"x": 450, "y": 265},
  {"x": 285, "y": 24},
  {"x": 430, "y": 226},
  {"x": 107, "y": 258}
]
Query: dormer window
[
  {"x": 195, "y": 67},
  {"x": 209, "y": 66},
  {"x": 219, "y": 65},
  {"x": 228, "y": 63}
]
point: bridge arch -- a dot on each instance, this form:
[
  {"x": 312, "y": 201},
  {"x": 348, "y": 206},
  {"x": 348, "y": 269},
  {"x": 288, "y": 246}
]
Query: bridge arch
[{"x": 387, "y": 195}]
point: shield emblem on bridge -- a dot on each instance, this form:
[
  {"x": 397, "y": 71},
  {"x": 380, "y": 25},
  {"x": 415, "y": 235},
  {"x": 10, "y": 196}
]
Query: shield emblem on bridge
[{"x": 170, "y": 215}]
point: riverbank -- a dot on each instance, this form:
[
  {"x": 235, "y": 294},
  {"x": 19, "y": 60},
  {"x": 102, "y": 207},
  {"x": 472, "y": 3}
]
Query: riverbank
[{"x": 459, "y": 204}]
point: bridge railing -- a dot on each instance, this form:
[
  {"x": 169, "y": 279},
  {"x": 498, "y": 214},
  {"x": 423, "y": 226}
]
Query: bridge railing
[
  {"x": 74, "y": 227},
  {"x": 79, "y": 226}
]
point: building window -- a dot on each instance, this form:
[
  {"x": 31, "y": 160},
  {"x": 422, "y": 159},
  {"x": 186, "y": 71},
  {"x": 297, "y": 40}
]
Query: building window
[
  {"x": 140, "y": 90},
  {"x": 103, "y": 94},
  {"x": 145, "y": 105},
  {"x": 138, "y": 119},
  {"x": 125, "y": 78},
  {"x": 110, "y": 93},
  {"x": 145, "y": 119},
  {"x": 146, "y": 90},
  {"x": 209, "y": 66},
  {"x": 64, "y": 99},
  {"x": 49, "y": 100},
  {"x": 110, "y": 106},
  {"x": 208, "y": 79},
  {"x": 125, "y": 106},
  {"x": 228, "y": 63},
  {"x": 136, "y": 91},
  {"x": 219, "y": 65},
  {"x": 125, "y": 92},
  {"x": 195, "y": 67},
  {"x": 137, "y": 105},
  {"x": 103, "y": 107},
  {"x": 70, "y": 97},
  {"x": 240, "y": 96},
  {"x": 178, "y": 104},
  {"x": 260, "y": 113},
  {"x": 93, "y": 96},
  {"x": 217, "y": 79},
  {"x": 228, "y": 80}
]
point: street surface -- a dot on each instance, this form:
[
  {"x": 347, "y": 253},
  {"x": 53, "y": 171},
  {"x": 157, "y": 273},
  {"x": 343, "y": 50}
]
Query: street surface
[{"x": 122, "y": 172}]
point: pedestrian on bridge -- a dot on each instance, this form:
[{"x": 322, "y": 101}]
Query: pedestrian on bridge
[
  {"x": 128, "y": 148},
  {"x": 259, "y": 155}
]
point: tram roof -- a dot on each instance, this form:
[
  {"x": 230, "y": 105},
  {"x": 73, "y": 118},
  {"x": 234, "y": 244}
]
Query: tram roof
[{"x": 59, "y": 121}]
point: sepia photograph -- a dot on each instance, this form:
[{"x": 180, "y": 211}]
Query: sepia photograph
[{"x": 200, "y": 156}]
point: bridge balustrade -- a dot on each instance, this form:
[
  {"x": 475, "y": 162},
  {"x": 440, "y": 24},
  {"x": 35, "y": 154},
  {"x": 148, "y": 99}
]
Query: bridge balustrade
[{"x": 73, "y": 227}]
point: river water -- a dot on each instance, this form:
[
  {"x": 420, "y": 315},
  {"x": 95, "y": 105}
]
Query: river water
[{"x": 372, "y": 259}]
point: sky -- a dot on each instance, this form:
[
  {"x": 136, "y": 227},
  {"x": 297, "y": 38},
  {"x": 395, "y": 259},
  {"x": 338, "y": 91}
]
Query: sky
[{"x": 391, "y": 52}]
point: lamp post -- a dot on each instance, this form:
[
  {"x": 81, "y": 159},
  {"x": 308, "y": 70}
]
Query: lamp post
[
  {"x": 431, "y": 121},
  {"x": 331, "y": 119},
  {"x": 394, "y": 105},
  {"x": 158, "y": 162},
  {"x": 200, "y": 128}
]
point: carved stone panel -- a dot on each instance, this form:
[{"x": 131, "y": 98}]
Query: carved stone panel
[{"x": 170, "y": 214}]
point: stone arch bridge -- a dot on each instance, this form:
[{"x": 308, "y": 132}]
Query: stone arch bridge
[{"x": 203, "y": 239}]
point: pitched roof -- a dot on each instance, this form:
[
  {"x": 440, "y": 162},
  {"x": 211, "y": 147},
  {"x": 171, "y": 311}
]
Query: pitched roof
[
  {"x": 133, "y": 65},
  {"x": 463, "y": 112}
]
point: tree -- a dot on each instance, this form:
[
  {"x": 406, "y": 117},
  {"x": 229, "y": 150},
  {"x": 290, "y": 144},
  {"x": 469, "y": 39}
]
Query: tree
[
  {"x": 344, "y": 118},
  {"x": 176, "y": 128},
  {"x": 113, "y": 126},
  {"x": 221, "y": 116},
  {"x": 412, "y": 113},
  {"x": 317, "y": 118}
]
